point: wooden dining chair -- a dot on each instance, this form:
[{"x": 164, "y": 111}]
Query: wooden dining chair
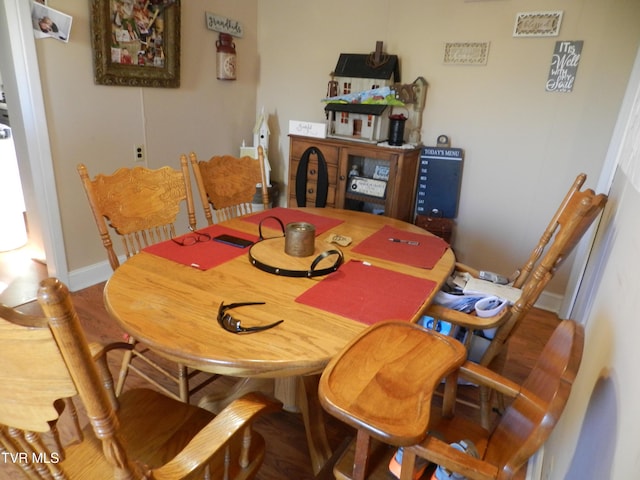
[
  {"x": 523, "y": 428},
  {"x": 47, "y": 363},
  {"x": 575, "y": 214},
  {"x": 141, "y": 206},
  {"x": 227, "y": 184}
]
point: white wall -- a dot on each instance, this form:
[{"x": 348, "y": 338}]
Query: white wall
[{"x": 598, "y": 436}]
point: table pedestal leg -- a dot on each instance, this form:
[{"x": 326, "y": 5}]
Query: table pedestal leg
[
  {"x": 298, "y": 395},
  {"x": 286, "y": 390},
  {"x": 216, "y": 402}
]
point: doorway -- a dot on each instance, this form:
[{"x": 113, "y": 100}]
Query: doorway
[
  {"x": 21, "y": 266},
  {"x": 21, "y": 79},
  {"x": 13, "y": 229}
]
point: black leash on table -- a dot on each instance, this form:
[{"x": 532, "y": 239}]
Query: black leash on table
[{"x": 312, "y": 271}]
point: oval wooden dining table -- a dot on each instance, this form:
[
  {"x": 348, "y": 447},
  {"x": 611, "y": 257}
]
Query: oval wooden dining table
[{"x": 172, "y": 306}]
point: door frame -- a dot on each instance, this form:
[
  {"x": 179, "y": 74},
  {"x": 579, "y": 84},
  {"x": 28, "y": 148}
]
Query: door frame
[{"x": 21, "y": 77}]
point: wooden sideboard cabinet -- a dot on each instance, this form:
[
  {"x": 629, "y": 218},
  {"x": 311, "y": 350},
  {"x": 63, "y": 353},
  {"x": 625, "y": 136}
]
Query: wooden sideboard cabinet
[{"x": 387, "y": 173}]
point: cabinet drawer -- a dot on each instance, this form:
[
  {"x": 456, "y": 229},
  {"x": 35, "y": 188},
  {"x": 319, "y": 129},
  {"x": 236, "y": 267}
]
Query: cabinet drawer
[
  {"x": 312, "y": 182},
  {"x": 312, "y": 171},
  {"x": 330, "y": 153},
  {"x": 311, "y": 198}
]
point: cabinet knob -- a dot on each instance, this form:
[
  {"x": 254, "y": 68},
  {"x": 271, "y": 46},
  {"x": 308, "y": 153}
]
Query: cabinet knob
[
  {"x": 310, "y": 190},
  {"x": 312, "y": 172},
  {"x": 342, "y": 177}
]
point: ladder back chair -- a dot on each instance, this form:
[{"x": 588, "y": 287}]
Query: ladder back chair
[
  {"x": 227, "y": 184},
  {"x": 47, "y": 364},
  {"x": 141, "y": 206},
  {"x": 523, "y": 428},
  {"x": 576, "y": 213}
]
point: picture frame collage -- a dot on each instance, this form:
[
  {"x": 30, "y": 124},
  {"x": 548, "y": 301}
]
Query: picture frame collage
[{"x": 136, "y": 42}]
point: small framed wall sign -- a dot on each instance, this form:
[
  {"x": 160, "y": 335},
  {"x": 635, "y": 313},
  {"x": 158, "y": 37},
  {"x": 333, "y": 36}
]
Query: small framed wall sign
[
  {"x": 537, "y": 24},
  {"x": 466, "y": 53},
  {"x": 224, "y": 25},
  {"x": 307, "y": 129}
]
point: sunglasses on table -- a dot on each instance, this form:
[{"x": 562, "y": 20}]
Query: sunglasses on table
[{"x": 233, "y": 325}]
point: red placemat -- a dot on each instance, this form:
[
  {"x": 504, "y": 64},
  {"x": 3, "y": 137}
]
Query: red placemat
[
  {"x": 368, "y": 294},
  {"x": 202, "y": 255},
  {"x": 289, "y": 215},
  {"x": 424, "y": 255}
]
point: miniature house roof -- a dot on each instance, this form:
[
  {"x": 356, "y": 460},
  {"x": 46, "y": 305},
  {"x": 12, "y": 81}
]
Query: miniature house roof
[
  {"x": 363, "y": 108},
  {"x": 356, "y": 65}
]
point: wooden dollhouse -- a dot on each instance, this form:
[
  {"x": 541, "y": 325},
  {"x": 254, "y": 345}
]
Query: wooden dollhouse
[{"x": 357, "y": 73}]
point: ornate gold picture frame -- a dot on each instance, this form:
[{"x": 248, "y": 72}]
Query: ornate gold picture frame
[{"x": 136, "y": 43}]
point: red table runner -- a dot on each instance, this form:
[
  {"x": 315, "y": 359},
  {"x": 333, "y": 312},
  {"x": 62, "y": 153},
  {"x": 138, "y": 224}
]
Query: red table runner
[
  {"x": 368, "y": 294},
  {"x": 289, "y": 215},
  {"x": 424, "y": 255},
  {"x": 202, "y": 255}
]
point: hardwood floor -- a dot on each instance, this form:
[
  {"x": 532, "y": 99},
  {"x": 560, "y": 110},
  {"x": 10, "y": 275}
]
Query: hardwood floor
[{"x": 287, "y": 456}]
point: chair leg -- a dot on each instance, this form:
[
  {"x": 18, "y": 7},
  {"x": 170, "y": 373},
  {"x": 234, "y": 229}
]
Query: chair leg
[
  {"x": 501, "y": 404},
  {"x": 182, "y": 377},
  {"x": 124, "y": 367},
  {"x": 485, "y": 407},
  {"x": 450, "y": 395},
  {"x": 361, "y": 459},
  {"x": 408, "y": 465},
  {"x": 314, "y": 421},
  {"x": 183, "y": 383}
]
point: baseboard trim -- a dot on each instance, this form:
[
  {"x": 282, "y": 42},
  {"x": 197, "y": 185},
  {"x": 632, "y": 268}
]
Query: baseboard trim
[
  {"x": 551, "y": 302},
  {"x": 88, "y": 276}
]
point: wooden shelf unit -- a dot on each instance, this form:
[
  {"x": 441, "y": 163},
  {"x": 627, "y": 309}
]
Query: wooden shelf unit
[{"x": 340, "y": 155}]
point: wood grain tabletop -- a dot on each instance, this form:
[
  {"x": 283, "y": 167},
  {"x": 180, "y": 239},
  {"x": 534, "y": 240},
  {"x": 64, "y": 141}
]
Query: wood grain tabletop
[{"x": 173, "y": 307}]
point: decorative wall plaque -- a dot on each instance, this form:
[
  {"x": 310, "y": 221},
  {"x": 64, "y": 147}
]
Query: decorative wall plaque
[
  {"x": 564, "y": 65},
  {"x": 537, "y": 24},
  {"x": 221, "y": 24},
  {"x": 466, "y": 53}
]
